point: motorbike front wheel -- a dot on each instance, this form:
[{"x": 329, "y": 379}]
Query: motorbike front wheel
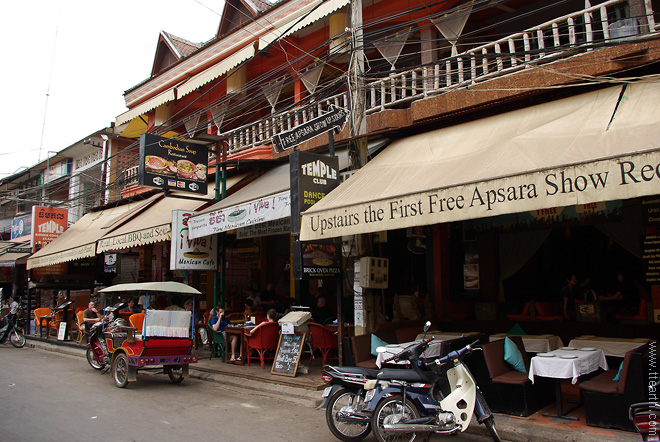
[
  {"x": 490, "y": 426},
  {"x": 391, "y": 411},
  {"x": 91, "y": 358},
  {"x": 175, "y": 372},
  {"x": 344, "y": 403},
  {"x": 17, "y": 339}
]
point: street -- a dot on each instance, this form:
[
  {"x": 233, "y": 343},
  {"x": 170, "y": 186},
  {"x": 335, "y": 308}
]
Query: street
[{"x": 56, "y": 397}]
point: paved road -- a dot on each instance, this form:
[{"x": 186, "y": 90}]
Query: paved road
[{"x": 56, "y": 397}]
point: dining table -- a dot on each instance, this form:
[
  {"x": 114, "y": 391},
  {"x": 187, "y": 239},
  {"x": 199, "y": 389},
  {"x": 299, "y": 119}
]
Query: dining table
[
  {"x": 617, "y": 347},
  {"x": 239, "y": 331},
  {"x": 566, "y": 363},
  {"x": 434, "y": 350},
  {"x": 534, "y": 343}
]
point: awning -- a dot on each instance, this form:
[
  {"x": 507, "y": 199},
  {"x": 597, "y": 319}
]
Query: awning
[
  {"x": 322, "y": 11},
  {"x": 148, "y": 105},
  {"x": 216, "y": 70},
  {"x": 267, "y": 198},
  {"x": 283, "y": 27},
  {"x": 79, "y": 240},
  {"x": 10, "y": 259},
  {"x": 598, "y": 146}
]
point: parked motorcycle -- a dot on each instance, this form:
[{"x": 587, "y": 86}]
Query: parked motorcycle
[
  {"x": 11, "y": 330},
  {"x": 646, "y": 418},
  {"x": 97, "y": 350},
  {"x": 399, "y": 404}
]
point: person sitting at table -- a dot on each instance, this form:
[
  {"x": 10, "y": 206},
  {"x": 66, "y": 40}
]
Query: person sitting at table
[
  {"x": 256, "y": 300},
  {"x": 131, "y": 307},
  {"x": 624, "y": 298},
  {"x": 219, "y": 323},
  {"x": 247, "y": 311},
  {"x": 568, "y": 296},
  {"x": 321, "y": 313},
  {"x": 91, "y": 316},
  {"x": 271, "y": 316}
]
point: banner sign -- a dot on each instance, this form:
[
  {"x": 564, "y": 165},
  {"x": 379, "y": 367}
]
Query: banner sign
[
  {"x": 625, "y": 177},
  {"x": 48, "y": 223},
  {"x": 187, "y": 253},
  {"x": 148, "y": 235},
  {"x": 21, "y": 226},
  {"x": 316, "y": 260},
  {"x": 335, "y": 117},
  {"x": 312, "y": 177},
  {"x": 167, "y": 163},
  {"x": 269, "y": 228},
  {"x": 258, "y": 211}
]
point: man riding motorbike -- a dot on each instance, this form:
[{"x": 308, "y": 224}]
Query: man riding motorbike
[{"x": 8, "y": 301}]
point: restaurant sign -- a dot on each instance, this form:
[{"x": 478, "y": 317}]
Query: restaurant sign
[
  {"x": 316, "y": 260},
  {"x": 21, "y": 226},
  {"x": 258, "y": 211},
  {"x": 187, "y": 253},
  {"x": 312, "y": 177},
  {"x": 48, "y": 223},
  {"x": 172, "y": 164}
]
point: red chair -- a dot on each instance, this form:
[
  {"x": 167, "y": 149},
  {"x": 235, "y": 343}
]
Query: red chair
[
  {"x": 524, "y": 315},
  {"x": 640, "y": 316},
  {"x": 323, "y": 340},
  {"x": 548, "y": 311},
  {"x": 263, "y": 338}
]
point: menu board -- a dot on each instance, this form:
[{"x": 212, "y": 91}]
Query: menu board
[
  {"x": 651, "y": 258},
  {"x": 287, "y": 357}
]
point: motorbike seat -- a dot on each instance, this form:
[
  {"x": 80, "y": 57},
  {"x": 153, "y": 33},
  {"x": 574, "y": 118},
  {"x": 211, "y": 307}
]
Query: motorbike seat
[
  {"x": 407, "y": 375},
  {"x": 367, "y": 372}
]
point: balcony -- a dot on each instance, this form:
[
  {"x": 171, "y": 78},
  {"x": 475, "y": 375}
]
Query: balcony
[{"x": 574, "y": 34}]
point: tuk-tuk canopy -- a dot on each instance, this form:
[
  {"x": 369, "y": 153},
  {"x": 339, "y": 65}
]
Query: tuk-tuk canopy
[{"x": 163, "y": 286}]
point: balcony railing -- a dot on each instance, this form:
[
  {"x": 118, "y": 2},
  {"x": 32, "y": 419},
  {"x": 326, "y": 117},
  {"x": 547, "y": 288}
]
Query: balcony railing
[{"x": 572, "y": 34}]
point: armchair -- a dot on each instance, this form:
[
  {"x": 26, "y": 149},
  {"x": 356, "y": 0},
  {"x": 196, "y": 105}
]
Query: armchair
[
  {"x": 548, "y": 311},
  {"x": 216, "y": 342},
  {"x": 263, "y": 339},
  {"x": 41, "y": 323},
  {"x": 137, "y": 320},
  {"x": 322, "y": 340}
]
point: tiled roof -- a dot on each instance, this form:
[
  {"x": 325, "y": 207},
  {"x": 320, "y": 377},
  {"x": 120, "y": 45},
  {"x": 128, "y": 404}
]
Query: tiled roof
[{"x": 184, "y": 47}]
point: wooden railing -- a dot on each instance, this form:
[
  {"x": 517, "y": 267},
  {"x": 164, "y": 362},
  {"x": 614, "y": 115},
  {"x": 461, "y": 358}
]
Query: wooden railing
[{"x": 565, "y": 36}]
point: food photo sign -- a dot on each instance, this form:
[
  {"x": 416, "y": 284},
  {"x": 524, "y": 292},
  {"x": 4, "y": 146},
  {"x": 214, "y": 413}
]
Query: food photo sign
[{"x": 167, "y": 163}]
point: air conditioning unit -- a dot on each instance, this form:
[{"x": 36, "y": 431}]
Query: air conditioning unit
[{"x": 374, "y": 272}]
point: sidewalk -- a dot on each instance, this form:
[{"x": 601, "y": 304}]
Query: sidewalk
[{"x": 305, "y": 390}]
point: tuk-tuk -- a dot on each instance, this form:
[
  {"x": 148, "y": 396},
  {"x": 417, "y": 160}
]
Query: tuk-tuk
[{"x": 165, "y": 339}]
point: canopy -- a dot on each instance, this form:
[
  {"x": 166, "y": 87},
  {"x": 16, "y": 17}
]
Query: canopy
[
  {"x": 598, "y": 146},
  {"x": 164, "y": 286}
]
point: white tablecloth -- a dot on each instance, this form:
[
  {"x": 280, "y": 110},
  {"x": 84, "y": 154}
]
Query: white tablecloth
[
  {"x": 560, "y": 368},
  {"x": 534, "y": 343},
  {"x": 610, "y": 346}
]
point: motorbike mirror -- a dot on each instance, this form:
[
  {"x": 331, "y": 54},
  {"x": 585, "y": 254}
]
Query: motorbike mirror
[
  {"x": 381, "y": 349},
  {"x": 427, "y": 326}
]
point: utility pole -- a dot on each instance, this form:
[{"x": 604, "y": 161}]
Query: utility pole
[{"x": 356, "y": 89}]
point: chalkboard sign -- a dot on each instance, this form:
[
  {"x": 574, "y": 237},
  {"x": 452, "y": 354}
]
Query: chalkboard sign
[{"x": 287, "y": 357}]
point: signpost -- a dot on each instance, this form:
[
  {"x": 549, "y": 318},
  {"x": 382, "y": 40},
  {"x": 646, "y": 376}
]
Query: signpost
[{"x": 336, "y": 117}]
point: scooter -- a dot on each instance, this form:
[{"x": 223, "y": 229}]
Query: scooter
[
  {"x": 646, "y": 418},
  {"x": 12, "y": 331},
  {"x": 408, "y": 403},
  {"x": 97, "y": 349}
]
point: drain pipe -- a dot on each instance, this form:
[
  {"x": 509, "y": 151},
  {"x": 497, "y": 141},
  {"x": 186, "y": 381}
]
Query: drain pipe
[{"x": 105, "y": 171}]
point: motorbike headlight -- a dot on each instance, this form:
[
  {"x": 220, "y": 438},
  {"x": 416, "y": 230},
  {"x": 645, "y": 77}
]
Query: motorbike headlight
[{"x": 369, "y": 396}]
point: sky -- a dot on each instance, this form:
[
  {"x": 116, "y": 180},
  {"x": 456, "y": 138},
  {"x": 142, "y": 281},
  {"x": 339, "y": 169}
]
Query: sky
[{"x": 68, "y": 63}]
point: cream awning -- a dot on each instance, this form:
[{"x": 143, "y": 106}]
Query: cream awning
[
  {"x": 322, "y": 11},
  {"x": 216, "y": 70},
  {"x": 598, "y": 146},
  {"x": 10, "y": 259},
  {"x": 310, "y": 13},
  {"x": 79, "y": 240},
  {"x": 142, "y": 108},
  {"x": 267, "y": 198}
]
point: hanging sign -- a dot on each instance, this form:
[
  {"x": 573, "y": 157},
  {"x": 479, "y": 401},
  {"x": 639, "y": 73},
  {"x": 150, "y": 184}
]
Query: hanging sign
[
  {"x": 48, "y": 223},
  {"x": 316, "y": 260},
  {"x": 335, "y": 117},
  {"x": 167, "y": 163},
  {"x": 191, "y": 254}
]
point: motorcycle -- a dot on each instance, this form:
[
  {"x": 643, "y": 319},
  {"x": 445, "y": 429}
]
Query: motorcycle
[
  {"x": 98, "y": 356},
  {"x": 646, "y": 418},
  {"x": 13, "y": 331},
  {"x": 398, "y": 404}
]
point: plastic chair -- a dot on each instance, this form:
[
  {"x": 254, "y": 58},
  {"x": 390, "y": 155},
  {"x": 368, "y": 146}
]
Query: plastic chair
[
  {"x": 137, "y": 320},
  {"x": 547, "y": 311},
  {"x": 216, "y": 343},
  {"x": 524, "y": 315},
  {"x": 38, "y": 313},
  {"x": 263, "y": 339},
  {"x": 80, "y": 325},
  {"x": 323, "y": 340}
]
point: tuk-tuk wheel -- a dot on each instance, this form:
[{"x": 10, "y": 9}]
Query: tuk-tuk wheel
[
  {"x": 175, "y": 372},
  {"x": 120, "y": 370}
]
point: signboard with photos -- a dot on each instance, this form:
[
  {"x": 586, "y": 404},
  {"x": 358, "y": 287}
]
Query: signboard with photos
[
  {"x": 172, "y": 164},
  {"x": 316, "y": 260}
]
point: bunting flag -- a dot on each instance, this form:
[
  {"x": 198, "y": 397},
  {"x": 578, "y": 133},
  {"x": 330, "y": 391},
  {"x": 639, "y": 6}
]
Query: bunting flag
[
  {"x": 390, "y": 47},
  {"x": 451, "y": 26}
]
